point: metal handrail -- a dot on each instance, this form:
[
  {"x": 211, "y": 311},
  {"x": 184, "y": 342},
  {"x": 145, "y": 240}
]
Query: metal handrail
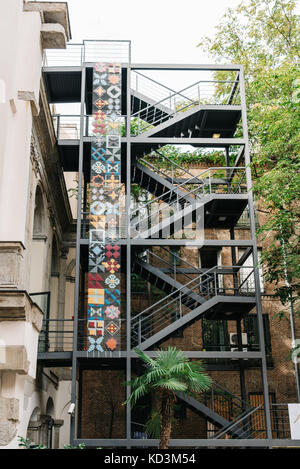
[
  {"x": 234, "y": 268},
  {"x": 154, "y": 81},
  {"x": 236, "y": 422},
  {"x": 175, "y": 93},
  {"x": 206, "y": 288},
  {"x": 180, "y": 258},
  {"x": 168, "y": 296},
  {"x": 161, "y": 259},
  {"x": 176, "y": 164},
  {"x": 165, "y": 193},
  {"x": 79, "y": 51},
  {"x": 150, "y": 109},
  {"x": 197, "y": 192},
  {"x": 178, "y": 201},
  {"x": 218, "y": 168},
  {"x": 242, "y": 402}
]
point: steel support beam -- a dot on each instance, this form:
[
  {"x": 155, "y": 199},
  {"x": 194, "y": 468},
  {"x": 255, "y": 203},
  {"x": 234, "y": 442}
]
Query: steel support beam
[
  {"x": 128, "y": 255},
  {"x": 204, "y": 142},
  {"x": 255, "y": 260},
  {"x": 77, "y": 268},
  {"x": 205, "y": 67},
  {"x": 193, "y": 443}
]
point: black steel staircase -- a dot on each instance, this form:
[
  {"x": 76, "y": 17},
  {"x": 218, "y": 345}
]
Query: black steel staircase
[
  {"x": 150, "y": 120},
  {"x": 223, "y": 409},
  {"x": 206, "y": 294}
]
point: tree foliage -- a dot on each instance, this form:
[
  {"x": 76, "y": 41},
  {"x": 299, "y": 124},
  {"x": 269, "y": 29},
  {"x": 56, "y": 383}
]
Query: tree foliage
[{"x": 263, "y": 36}]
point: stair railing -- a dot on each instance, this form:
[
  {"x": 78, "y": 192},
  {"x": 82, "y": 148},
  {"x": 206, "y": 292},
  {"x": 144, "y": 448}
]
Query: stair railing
[
  {"x": 156, "y": 316},
  {"x": 244, "y": 424},
  {"x": 233, "y": 186},
  {"x": 173, "y": 163},
  {"x": 192, "y": 97},
  {"x": 180, "y": 201},
  {"x": 181, "y": 301},
  {"x": 169, "y": 192},
  {"x": 149, "y": 87},
  {"x": 206, "y": 187},
  {"x": 170, "y": 266},
  {"x": 236, "y": 405},
  {"x": 190, "y": 180}
]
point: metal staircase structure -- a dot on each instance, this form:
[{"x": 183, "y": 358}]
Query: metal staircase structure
[
  {"x": 204, "y": 115},
  {"x": 212, "y": 405},
  {"x": 203, "y": 294}
]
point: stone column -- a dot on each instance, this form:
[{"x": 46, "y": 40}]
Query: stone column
[
  {"x": 61, "y": 298},
  {"x": 57, "y": 424}
]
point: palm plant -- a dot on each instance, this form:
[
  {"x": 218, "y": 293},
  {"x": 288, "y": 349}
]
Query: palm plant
[{"x": 168, "y": 373}]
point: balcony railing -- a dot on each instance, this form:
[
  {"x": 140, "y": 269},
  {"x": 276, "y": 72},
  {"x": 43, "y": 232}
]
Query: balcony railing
[
  {"x": 67, "y": 126},
  {"x": 57, "y": 335},
  {"x": 88, "y": 52}
]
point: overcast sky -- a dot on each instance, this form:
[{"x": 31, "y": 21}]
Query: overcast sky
[{"x": 161, "y": 31}]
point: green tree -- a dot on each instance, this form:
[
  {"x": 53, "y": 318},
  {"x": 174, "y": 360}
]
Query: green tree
[
  {"x": 263, "y": 36},
  {"x": 168, "y": 373}
]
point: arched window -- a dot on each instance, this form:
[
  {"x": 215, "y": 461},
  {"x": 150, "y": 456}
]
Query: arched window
[
  {"x": 50, "y": 408},
  {"x": 34, "y": 427},
  {"x": 39, "y": 254}
]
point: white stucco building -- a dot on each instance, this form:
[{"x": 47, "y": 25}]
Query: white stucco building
[{"x": 32, "y": 256}]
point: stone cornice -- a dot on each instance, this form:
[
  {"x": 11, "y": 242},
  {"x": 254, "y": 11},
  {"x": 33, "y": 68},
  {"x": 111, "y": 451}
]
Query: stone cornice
[
  {"x": 55, "y": 21},
  {"x": 16, "y": 305}
]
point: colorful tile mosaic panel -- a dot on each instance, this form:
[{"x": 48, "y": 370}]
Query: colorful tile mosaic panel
[{"x": 104, "y": 271}]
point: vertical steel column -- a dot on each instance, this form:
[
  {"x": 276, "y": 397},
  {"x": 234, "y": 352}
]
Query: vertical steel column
[
  {"x": 128, "y": 247},
  {"x": 227, "y": 170},
  {"x": 255, "y": 261},
  {"x": 77, "y": 268},
  {"x": 241, "y": 364},
  {"x": 233, "y": 262}
]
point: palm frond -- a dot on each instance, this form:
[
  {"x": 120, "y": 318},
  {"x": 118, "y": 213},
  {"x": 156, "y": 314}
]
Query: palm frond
[
  {"x": 177, "y": 368},
  {"x": 154, "y": 375},
  {"x": 153, "y": 425},
  {"x": 137, "y": 393},
  {"x": 172, "y": 384},
  {"x": 170, "y": 357},
  {"x": 144, "y": 357},
  {"x": 199, "y": 382},
  {"x": 171, "y": 370}
]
